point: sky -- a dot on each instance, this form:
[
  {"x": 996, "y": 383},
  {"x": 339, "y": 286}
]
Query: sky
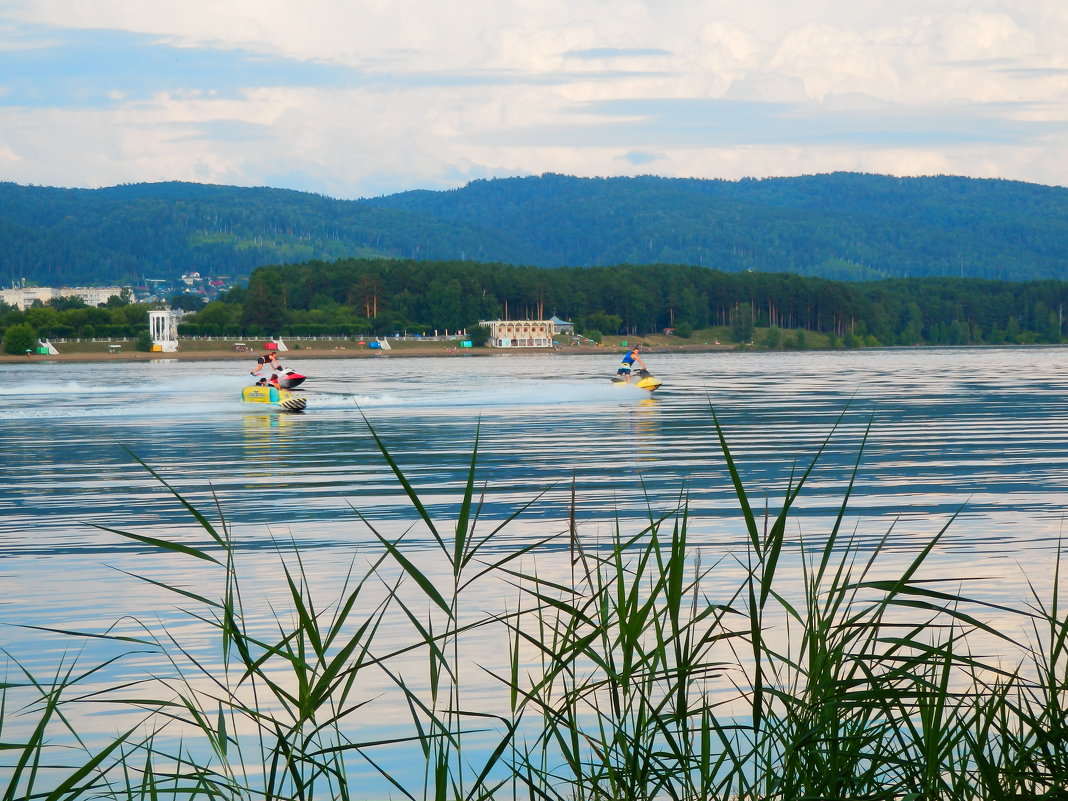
[{"x": 363, "y": 98}]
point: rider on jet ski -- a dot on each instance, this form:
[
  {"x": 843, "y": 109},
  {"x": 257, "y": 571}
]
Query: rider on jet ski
[{"x": 280, "y": 376}]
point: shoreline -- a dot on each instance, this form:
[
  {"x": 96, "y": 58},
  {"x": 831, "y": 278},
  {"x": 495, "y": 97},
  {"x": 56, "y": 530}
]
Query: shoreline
[
  {"x": 426, "y": 351},
  {"x": 404, "y": 351}
]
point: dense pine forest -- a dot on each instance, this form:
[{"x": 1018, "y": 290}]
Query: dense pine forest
[
  {"x": 380, "y": 296},
  {"x": 377, "y": 297},
  {"x": 842, "y": 226}
]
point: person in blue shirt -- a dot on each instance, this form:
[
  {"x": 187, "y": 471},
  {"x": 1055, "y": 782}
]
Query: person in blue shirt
[{"x": 627, "y": 364}]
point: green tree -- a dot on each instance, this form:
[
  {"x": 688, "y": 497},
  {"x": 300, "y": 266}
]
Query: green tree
[
  {"x": 187, "y": 301},
  {"x": 958, "y": 333},
  {"x": 20, "y": 338},
  {"x": 42, "y": 318},
  {"x": 1012, "y": 330},
  {"x": 130, "y": 315},
  {"x": 599, "y": 321},
  {"x": 1050, "y": 328},
  {"x": 389, "y": 322},
  {"x": 65, "y": 302},
  {"x": 263, "y": 311},
  {"x": 217, "y": 314},
  {"x": 912, "y": 328},
  {"x": 742, "y": 323},
  {"x": 445, "y": 305},
  {"x": 689, "y": 307},
  {"x": 124, "y": 298}
]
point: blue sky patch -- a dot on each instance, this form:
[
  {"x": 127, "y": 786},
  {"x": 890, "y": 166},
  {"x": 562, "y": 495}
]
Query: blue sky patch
[{"x": 94, "y": 68}]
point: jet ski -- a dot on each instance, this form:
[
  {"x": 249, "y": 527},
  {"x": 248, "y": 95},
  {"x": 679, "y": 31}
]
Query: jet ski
[
  {"x": 642, "y": 379},
  {"x": 289, "y": 379},
  {"x": 281, "y": 399}
]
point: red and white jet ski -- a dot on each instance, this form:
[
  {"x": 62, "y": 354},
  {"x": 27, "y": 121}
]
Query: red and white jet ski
[{"x": 289, "y": 379}]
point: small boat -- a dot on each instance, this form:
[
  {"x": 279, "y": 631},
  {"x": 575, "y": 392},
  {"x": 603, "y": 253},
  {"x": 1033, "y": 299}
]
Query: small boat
[
  {"x": 281, "y": 399},
  {"x": 645, "y": 380}
]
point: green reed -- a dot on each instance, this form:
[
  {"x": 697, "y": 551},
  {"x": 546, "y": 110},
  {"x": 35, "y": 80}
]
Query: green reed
[
  {"x": 654, "y": 671},
  {"x": 32, "y": 766}
]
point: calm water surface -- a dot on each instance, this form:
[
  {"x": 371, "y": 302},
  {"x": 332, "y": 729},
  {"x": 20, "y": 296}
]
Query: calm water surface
[
  {"x": 980, "y": 433},
  {"x": 983, "y": 432}
]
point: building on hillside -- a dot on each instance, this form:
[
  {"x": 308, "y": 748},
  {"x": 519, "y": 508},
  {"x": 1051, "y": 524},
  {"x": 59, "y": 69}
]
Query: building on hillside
[
  {"x": 519, "y": 333},
  {"x": 24, "y": 297}
]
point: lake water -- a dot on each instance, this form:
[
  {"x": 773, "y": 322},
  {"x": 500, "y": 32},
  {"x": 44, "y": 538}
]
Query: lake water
[{"x": 977, "y": 433}]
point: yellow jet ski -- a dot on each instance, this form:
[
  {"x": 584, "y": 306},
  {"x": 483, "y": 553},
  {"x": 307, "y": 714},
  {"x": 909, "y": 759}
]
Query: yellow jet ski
[
  {"x": 642, "y": 379},
  {"x": 281, "y": 399}
]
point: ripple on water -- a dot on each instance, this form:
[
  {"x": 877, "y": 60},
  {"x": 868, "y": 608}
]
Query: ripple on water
[{"x": 981, "y": 434}]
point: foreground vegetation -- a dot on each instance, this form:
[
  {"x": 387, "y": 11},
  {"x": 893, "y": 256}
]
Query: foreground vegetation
[{"x": 651, "y": 670}]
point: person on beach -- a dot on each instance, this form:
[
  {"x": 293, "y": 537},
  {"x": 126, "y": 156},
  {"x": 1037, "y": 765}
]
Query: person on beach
[{"x": 627, "y": 364}]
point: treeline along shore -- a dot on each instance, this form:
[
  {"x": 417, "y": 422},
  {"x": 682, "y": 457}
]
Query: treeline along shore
[
  {"x": 380, "y": 296},
  {"x": 691, "y": 306}
]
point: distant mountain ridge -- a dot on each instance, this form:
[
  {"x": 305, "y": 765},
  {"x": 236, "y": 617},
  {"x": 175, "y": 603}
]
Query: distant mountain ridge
[{"x": 840, "y": 225}]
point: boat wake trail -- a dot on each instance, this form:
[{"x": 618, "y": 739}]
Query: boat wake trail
[
  {"x": 516, "y": 394},
  {"x": 187, "y": 397}
]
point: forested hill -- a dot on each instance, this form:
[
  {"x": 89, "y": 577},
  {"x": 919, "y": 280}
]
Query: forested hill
[{"x": 841, "y": 226}]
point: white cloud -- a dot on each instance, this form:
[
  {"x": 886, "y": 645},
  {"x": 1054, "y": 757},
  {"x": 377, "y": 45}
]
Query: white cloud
[
  {"x": 384, "y": 95},
  {"x": 762, "y": 87}
]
